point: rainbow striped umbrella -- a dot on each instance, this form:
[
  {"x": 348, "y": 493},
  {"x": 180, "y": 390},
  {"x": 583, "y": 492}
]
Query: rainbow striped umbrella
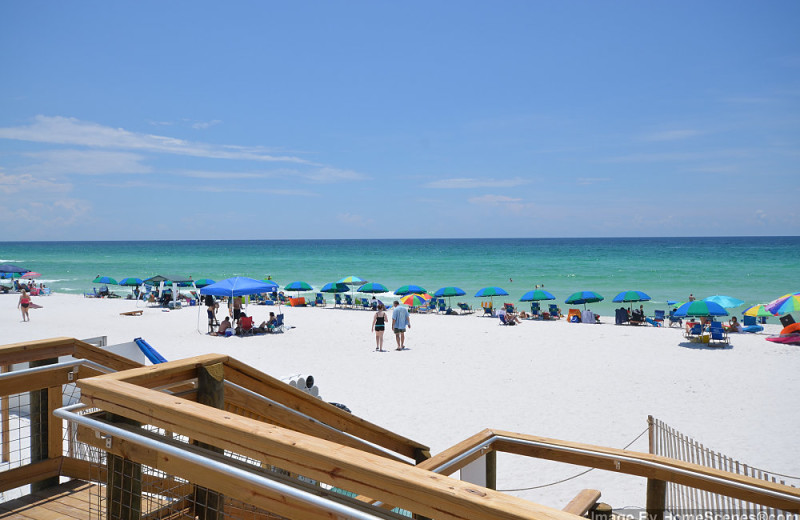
[
  {"x": 414, "y": 300},
  {"x": 758, "y": 311},
  {"x": 785, "y": 304}
]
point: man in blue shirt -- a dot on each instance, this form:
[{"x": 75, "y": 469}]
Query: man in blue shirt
[{"x": 400, "y": 322}]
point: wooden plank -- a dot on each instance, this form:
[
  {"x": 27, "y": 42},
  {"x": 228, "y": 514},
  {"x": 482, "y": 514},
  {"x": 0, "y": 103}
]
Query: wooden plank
[
  {"x": 634, "y": 467},
  {"x": 103, "y": 357},
  {"x": 583, "y": 502},
  {"x": 171, "y": 372},
  {"x": 243, "y": 403},
  {"x": 55, "y": 433},
  {"x": 82, "y": 469},
  {"x": 406, "y": 486},
  {"x": 29, "y": 473},
  {"x": 23, "y": 381},
  {"x": 207, "y": 503},
  {"x": 457, "y": 450},
  {"x": 5, "y": 423},
  {"x": 25, "y": 351},
  {"x": 252, "y": 379}
]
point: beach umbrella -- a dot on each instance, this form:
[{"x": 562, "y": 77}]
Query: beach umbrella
[
  {"x": 31, "y": 274},
  {"x": 491, "y": 292},
  {"x": 410, "y": 289},
  {"x": 727, "y": 302},
  {"x": 297, "y": 287},
  {"x": 414, "y": 299},
  {"x": 700, "y": 308},
  {"x": 785, "y": 304},
  {"x": 131, "y": 281},
  {"x": 203, "y": 282},
  {"x": 583, "y": 297},
  {"x": 11, "y": 268},
  {"x": 537, "y": 295},
  {"x": 105, "y": 280},
  {"x": 373, "y": 287},
  {"x": 758, "y": 311},
  {"x": 352, "y": 280},
  {"x": 449, "y": 292},
  {"x": 334, "y": 287},
  {"x": 631, "y": 296}
]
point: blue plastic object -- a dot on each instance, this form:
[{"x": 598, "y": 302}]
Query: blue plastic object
[{"x": 149, "y": 352}]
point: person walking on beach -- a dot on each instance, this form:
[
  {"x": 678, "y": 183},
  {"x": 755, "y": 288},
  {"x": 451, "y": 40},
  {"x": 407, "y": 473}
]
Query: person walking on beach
[
  {"x": 400, "y": 322},
  {"x": 23, "y": 304},
  {"x": 378, "y": 326}
]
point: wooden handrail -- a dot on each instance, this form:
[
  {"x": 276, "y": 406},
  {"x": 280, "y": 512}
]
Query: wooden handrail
[
  {"x": 383, "y": 479},
  {"x": 38, "y": 350}
]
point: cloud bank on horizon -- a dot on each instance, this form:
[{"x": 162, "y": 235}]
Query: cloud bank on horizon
[{"x": 369, "y": 120}]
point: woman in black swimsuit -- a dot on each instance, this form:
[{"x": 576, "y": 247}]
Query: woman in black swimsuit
[{"x": 378, "y": 326}]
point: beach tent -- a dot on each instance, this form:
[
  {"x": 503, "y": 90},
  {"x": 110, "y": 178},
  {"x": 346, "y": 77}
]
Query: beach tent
[
  {"x": 160, "y": 279},
  {"x": 236, "y": 286}
]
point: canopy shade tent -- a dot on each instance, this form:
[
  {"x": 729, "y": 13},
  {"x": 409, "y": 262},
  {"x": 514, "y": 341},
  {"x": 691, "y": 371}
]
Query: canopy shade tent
[
  {"x": 157, "y": 279},
  {"x": 237, "y": 286}
]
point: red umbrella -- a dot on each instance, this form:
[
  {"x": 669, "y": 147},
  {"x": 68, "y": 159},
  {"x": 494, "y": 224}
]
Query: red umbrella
[{"x": 31, "y": 274}]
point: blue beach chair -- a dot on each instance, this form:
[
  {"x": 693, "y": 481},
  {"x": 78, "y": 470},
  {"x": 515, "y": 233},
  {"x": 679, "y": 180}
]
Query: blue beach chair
[{"x": 718, "y": 334}]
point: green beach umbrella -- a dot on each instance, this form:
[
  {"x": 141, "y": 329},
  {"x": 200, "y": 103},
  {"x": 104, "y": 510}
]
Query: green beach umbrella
[
  {"x": 410, "y": 289},
  {"x": 583, "y": 297},
  {"x": 131, "y": 281},
  {"x": 105, "y": 279},
  {"x": 631, "y": 296},
  {"x": 297, "y": 287},
  {"x": 334, "y": 287},
  {"x": 700, "y": 308},
  {"x": 373, "y": 287},
  {"x": 537, "y": 296},
  {"x": 352, "y": 280},
  {"x": 203, "y": 282}
]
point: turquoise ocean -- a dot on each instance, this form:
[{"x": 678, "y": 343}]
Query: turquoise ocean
[{"x": 754, "y": 269}]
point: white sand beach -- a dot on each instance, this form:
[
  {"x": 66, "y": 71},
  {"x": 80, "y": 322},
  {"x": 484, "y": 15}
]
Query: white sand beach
[{"x": 588, "y": 383}]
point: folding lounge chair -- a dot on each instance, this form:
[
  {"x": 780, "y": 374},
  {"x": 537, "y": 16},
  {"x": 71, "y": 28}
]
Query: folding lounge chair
[
  {"x": 365, "y": 304},
  {"x": 442, "y": 307},
  {"x": 673, "y": 320},
  {"x": 718, "y": 334},
  {"x": 337, "y": 299},
  {"x": 751, "y": 325},
  {"x": 659, "y": 316},
  {"x": 487, "y": 309},
  {"x": 246, "y": 326},
  {"x": 465, "y": 309},
  {"x": 509, "y": 307},
  {"x": 695, "y": 332},
  {"x": 278, "y": 323},
  {"x": 554, "y": 312},
  {"x": 502, "y": 317},
  {"x": 536, "y": 311},
  {"x": 348, "y": 300}
]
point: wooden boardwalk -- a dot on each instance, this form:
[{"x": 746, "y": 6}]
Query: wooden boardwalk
[{"x": 63, "y": 502}]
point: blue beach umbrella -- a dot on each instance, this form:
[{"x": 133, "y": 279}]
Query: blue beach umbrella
[
  {"x": 631, "y": 296},
  {"x": 131, "y": 281},
  {"x": 537, "y": 296},
  {"x": 488, "y": 292},
  {"x": 410, "y": 289},
  {"x": 105, "y": 280},
  {"x": 583, "y": 297},
  {"x": 700, "y": 308},
  {"x": 373, "y": 287},
  {"x": 203, "y": 282},
  {"x": 352, "y": 280},
  {"x": 727, "y": 302},
  {"x": 449, "y": 292}
]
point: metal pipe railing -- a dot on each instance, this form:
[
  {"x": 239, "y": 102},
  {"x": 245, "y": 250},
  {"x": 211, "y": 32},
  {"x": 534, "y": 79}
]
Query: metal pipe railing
[{"x": 68, "y": 413}]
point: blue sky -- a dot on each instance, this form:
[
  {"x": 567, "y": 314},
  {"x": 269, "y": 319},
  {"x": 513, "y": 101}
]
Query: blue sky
[{"x": 237, "y": 120}]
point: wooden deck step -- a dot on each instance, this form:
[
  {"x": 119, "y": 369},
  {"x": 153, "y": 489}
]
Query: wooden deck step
[{"x": 68, "y": 501}]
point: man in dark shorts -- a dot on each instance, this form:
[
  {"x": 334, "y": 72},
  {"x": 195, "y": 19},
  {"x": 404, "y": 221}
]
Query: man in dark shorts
[{"x": 400, "y": 322}]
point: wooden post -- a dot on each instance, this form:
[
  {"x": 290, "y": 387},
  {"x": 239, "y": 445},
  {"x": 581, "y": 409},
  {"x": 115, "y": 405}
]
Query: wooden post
[
  {"x": 6, "y": 422},
  {"x": 123, "y": 482},
  {"x": 491, "y": 469},
  {"x": 40, "y": 426},
  {"x": 208, "y": 504},
  {"x": 656, "y": 489}
]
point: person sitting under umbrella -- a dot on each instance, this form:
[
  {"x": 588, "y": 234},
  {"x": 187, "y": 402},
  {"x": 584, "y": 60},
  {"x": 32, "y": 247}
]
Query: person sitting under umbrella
[{"x": 734, "y": 325}]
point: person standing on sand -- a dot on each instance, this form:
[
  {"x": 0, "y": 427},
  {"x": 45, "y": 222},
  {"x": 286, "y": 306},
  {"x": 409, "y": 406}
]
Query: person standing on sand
[
  {"x": 23, "y": 304},
  {"x": 400, "y": 322},
  {"x": 378, "y": 326}
]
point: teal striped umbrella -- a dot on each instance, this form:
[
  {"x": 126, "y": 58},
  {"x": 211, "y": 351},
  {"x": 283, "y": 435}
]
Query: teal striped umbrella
[
  {"x": 131, "y": 281},
  {"x": 352, "y": 280},
  {"x": 410, "y": 289},
  {"x": 700, "y": 308},
  {"x": 537, "y": 296},
  {"x": 631, "y": 296},
  {"x": 334, "y": 287},
  {"x": 105, "y": 279},
  {"x": 203, "y": 282},
  {"x": 583, "y": 297},
  {"x": 297, "y": 286}
]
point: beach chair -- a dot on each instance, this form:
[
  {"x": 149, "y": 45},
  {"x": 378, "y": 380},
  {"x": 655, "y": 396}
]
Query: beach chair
[
  {"x": 348, "y": 300},
  {"x": 442, "y": 307},
  {"x": 365, "y": 304},
  {"x": 319, "y": 300},
  {"x": 536, "y": 311},
  {"x": 92, "y": 294},
  {"x": 487, "y": 309},
  {"x": 509, "y": 307},
  {"x": 246, "y": 326},
  {"x": 337, "y": 299},
  {"x": 750, "y": 324},
  {"x": 718, "y": 334},
  {"x": 695, "y": 332},
  {"x": 658, "y": 316},
  {"x": 673, "y": 320},
  {"x": 574, "y": 316},
  {"x": 554, "y": 312},
  {"x": 502, "y": 317},
  {"x": 278, "y": 323},
  {"x": 465, "y": 309}
]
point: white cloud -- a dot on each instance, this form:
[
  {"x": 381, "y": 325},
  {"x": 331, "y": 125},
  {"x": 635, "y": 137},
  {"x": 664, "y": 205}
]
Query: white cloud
[
  {"x": 494, "y": 200},
  {"x": 27, "y": 182},
  {"x": 328, "y": 174},
  {"x": 85, "y": 162},
  {"x": 463, "y": 183},
  {"x": 353, "y": 220},
  {"x": 71, "y": 131},
  {"x": 40, "y": 217},
  {"x": 202, "y": 125}
]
